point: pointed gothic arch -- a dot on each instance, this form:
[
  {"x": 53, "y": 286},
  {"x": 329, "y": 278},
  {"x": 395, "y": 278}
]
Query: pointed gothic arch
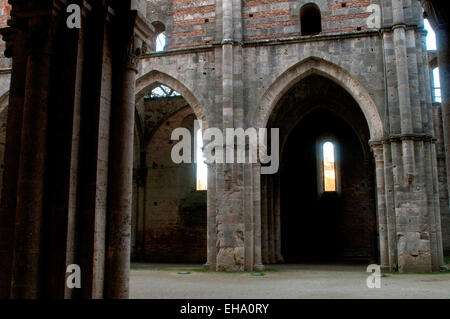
[{"x": 326, "y": 69}]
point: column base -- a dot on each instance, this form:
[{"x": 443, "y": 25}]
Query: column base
[
  {"x": 258, "y": 267},
  {"x": 209, "y": 267},
  {"x": 386, "y": 268}
]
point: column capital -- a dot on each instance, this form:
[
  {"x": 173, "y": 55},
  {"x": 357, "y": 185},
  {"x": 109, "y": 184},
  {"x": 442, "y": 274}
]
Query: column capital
[{"x": 132, "y": 54}]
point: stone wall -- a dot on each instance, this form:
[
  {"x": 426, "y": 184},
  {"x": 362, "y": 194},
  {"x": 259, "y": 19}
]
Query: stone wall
[
  {"x": 233, "y": 64},
  {"x": 170, "y": 220},
  {"x": 175, "y": 213},
  {"x": 258, "y": 55}
]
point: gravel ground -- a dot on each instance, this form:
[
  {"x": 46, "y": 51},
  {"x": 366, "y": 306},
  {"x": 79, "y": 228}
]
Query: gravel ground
[{"x": 149, "y": 281}]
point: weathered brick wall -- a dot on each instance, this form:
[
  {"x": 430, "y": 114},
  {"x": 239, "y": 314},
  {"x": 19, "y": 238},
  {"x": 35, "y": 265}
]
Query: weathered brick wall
[
  {"x": 188, "y": 23},
  {"x": 193, "y": 23},
  {"x": 175, "y": 212},
  {"x": 269, "y": 19}
]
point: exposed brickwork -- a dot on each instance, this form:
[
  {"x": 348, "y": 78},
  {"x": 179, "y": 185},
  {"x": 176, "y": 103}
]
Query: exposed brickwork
[
  {"x": 193, "y": 23},
  {"x": 174, "y": 227},
  {"x": 270, "y": 19},
  {"x": 187, "y": 23}
]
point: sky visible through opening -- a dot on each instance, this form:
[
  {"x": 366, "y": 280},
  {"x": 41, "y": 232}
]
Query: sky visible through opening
[
  {"x": 202, "y": 169},
  {"x": 161, "y": 42},
  {"x": 329, "y": 169},
  {"x": 431, "y": 46}
]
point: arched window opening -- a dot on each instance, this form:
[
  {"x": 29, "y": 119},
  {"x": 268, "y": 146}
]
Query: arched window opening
[
  {"x": 160, "y": 42},
  {"x": 437, "y": 93},
  {"x": 202, "y": 169},
  {"x": 431, "y": 36},
  {"x": 310, "y": 19},
  {"x": 329, "y": 167}
]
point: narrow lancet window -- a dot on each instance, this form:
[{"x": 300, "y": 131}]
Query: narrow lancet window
[
  {"x": 202, "y": 169},
  {"x": 161, "y": 42},
  {"x": 329, "y": 167},
  {"x": 437, "y": 94}
]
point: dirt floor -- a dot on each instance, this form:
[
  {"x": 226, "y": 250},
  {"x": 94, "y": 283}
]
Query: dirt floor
[{"x": 149, "y": 281}]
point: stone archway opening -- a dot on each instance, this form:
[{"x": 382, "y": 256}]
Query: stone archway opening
[
  {"x": 305, "y": 217},
  {"x": 169, "y": 211}
]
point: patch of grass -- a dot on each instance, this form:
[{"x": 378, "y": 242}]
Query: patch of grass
[{"x": 198, "y": 270}]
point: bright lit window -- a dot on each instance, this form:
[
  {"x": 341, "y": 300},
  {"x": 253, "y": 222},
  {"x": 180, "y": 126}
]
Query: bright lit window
[
  {"x": 162, "y": 91},
  {"x": 202, "y": 169},
  {"x": 431, "y": 36},
  {"x": 437, "y": 94},
  {"x": 329, "y": 167},
  {"x": 161, "y": 42}
]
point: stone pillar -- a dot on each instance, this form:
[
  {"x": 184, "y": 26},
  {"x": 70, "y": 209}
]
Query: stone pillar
[
  {"x": 30, "y": 206},
  {"x": 257, "y": 211},
  {"x": 381, "y": 207},
  {"x": 140, "y": 207},
  {"x": 264, "y": 219},
  {"x": 118, "y": 252},
  {"x": 443, "y": 52},
  {"x": 93, "y": 158},
  {"x": 277, "y": 214},
  {"x": 272, "y": 221},
  {"x": 211, "y": 219},
  {"x": 391, "y": 222},
  {"x": 232, "y": 218},
  {"x": 249, "y": 217},
  {"x": 12, "y": 157}
]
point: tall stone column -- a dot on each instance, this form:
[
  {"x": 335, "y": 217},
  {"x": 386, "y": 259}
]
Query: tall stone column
[
  {"x": 277, "y": 215},
  {"x": 118, "y": 252},
  {"x": 231, "y": 208},
  {"x": 381, "y": 208},
  {"x": 412, "y": 204},
  {"x": 12, "y": 158},
  {"x": 249, "y": 217},
  {"x": 389, "y": 187},
  {"x": 30, "y": 192},
  {"x": 257, "y": 211},
  {"x": 271, "y": 215},
  {"x": 211, "y": 219},
  {"x": 264, "y": 219},
  {"x": 443, "y": 53}
]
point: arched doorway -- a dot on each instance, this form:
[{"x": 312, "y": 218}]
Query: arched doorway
[
  {"x": 169, "y": 211},
  {"x": 306, "y": 218}
]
